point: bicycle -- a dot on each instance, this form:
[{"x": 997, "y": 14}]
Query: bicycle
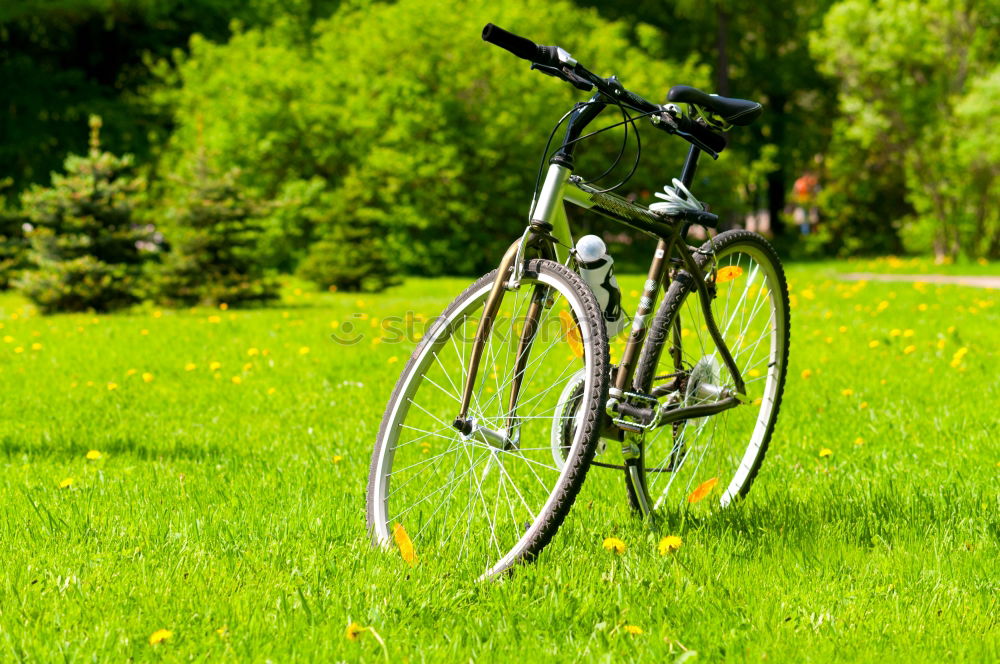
[{"x": 504, "y": 403}]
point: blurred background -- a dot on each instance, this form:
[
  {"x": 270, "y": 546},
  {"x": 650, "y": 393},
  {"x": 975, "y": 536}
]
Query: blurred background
[{"x": 191, "y": 151}]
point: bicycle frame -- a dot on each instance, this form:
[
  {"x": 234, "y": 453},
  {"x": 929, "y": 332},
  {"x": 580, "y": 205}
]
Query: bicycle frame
[{"x": 547, "y": 236}]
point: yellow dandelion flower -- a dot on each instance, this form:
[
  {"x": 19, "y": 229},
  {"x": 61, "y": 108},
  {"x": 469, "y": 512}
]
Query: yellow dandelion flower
[
  {"x": 826, "y": 452},
  {"x": 334, "y": 324},
  {"x": 271, "y": 390},
  {"x": 941, "y": 344},
  {"x": 863, "y": 405},
  {"x": 144, "y": 332},
  {"x": 190, "y": 366},
  {"x": 131, "y": 372},
  {"x": 94, "y": 455},
  {"x": 223, "y": 306},
  {"x": 393, "y": 359},
  {"x": 842, "y": 329},
  {"x": 359, "y": 303},
  {"x": 214, "y": 319},
  {"x": 828, "y": 340},
  {"x": 337, "y": 458},
  {"x": 157, "y": 314},
  {"x": 304, "y": 350},
  {"x": 223, "y": 631},
  {"x": 807, "y": 374},
  {"x": 669, "y": 544},
  {"x": 614, "y": 545},
  {"x": 922, "y": 307},
  {"x": 214, "y": 366},
  {"x": 874, "y": 343},
  {"x": 859, "y": 441},
  {"x": 354, "y": 631},
  {"x": 253, "y": 352},
  {"x": 147, "y": 377},
  {"x": 8, "y": 339},
  {"x": 753, "y": 373},
  {"x": 634, "y": 630},
  {"x": 847, "y": 392},
  {"x": 248, "y": 366},
  {"x": 159, "y": 636},
  {"x": 895, "y": 332},
  {"x": 19, "y": 349},
  {"x": 236, "y": 380},
  {"x": 66, "y": 483},
  {"x": 907, "y": 333},
  {"x": 909, "y": 349},
  {"x": 112, "y": 386},
  {"x": 36, "y": 346}
]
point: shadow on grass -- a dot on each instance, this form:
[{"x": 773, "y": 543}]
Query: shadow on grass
[
  {"x": 122, "y": 446},
  {"x": 869, "y": 517}
]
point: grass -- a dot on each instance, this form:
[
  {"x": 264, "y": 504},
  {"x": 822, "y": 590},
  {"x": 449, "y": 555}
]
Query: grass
[{"x": 227, "y": 506}]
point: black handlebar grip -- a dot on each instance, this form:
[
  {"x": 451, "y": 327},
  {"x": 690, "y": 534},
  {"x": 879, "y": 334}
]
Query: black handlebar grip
[{"x": 520, "y": 46}]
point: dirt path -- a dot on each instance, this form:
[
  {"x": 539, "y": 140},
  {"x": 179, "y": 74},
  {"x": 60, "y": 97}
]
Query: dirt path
[{"x": 978, "y": 282}]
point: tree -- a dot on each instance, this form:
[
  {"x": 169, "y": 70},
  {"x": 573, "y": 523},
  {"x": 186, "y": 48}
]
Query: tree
[
  {"x": 214, "y": 236},
  {"x": 439, "y": 150},
  {"x": 13, "y": 244},
  {"x": 758, "y": 51},
  {"x": 913, "y": 79},
  {"x": 87, "y": 252}
]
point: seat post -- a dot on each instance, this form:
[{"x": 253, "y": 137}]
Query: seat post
[{"x": 690, "y": 166}]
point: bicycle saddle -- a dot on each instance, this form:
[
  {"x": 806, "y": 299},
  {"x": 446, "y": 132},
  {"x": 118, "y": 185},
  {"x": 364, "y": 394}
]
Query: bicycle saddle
[{"x": 739, "y": 112}]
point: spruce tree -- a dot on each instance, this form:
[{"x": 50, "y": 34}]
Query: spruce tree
[
  {"x": 214, "y": 243},
  {"x": 87, "y": 251},
  {"x": 13, "y": 244}
]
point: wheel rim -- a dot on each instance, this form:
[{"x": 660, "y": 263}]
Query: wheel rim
[
  {"x": 710, "y": 461},
  {"x": 457, "y": 496}
]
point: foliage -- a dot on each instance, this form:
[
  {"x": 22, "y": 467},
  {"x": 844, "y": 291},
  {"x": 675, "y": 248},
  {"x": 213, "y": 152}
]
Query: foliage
[
  {"x": 350, "y": 257},
  {"x": 757, "y": 51},
  {"x": 215, "y": 240},
  {"x": 61, "y": 60},
  {"x": 87, "y": 251},
  {"x": 439, "y": 150},
  {"x": 904, "y": 69},
  {"x": 13, "y": 244}
]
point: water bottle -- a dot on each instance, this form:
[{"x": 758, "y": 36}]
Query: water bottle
[{"x": 597, "y": 269}]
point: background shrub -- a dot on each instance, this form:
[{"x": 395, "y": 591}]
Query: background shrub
[
  {"x": 214, "y": 235},
  {"x": 87, "y": 251}
]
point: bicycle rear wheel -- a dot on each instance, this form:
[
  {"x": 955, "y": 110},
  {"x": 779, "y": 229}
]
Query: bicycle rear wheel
[
  {"x": 710, "y": 461},
  {"x": 496, "y": 496}
]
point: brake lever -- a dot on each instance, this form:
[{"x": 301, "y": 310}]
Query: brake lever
[{"x": 564, "y": 74}]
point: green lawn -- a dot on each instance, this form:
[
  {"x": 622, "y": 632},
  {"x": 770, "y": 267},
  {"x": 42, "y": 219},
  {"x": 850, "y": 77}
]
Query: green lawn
[{"x": 227, "y": 505}]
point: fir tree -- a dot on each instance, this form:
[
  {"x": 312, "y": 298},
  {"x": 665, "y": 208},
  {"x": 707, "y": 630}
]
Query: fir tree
[
  {"x": 13, "y": 244},
  {"x": 214, "y": 243},
  {"x": 86, "y": 251},
  {"x": 349, "y": 257}
]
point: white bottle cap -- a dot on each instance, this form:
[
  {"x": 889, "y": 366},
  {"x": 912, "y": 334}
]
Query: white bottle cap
[{"x": 589, "y": 248}]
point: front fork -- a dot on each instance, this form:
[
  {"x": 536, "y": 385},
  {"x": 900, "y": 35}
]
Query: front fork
[{"x": 548, "y": 236}]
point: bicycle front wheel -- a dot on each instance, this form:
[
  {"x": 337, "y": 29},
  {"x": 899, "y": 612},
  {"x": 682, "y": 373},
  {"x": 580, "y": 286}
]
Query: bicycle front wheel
[
  {"x": 710, "y": 461},
  {"x": 496, "y": 495}
]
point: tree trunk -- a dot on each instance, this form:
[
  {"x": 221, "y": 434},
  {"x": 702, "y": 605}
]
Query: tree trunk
[
  {"x": 776, "y": 183},
  {"x": 722, "y": 51}
]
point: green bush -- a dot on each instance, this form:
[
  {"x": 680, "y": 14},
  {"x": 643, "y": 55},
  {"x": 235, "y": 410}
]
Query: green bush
[
  {"x": 439, "y": 150},
  {"x": 350, "y": 258},
  {"x": 87, "y": 251},
  {"x": 914, "y": 148},
  {"x": 214, "y": 235}
]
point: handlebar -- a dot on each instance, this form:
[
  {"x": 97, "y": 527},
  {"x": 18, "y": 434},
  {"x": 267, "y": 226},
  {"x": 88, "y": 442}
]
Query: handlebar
[
  {"x": 522, "y": 47},
  {"x": 554, "y": 61}
]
